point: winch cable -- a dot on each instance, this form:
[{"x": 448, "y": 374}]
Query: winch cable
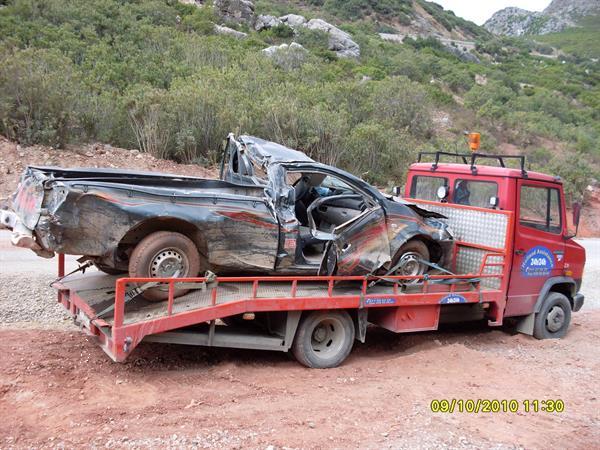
[
  {"x": 398, "y": 280},
  {"x": 82, "y": 268}
]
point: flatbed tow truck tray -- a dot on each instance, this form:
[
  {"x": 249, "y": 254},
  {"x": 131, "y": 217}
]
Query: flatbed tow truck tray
[{"x": 97, "y": 303}]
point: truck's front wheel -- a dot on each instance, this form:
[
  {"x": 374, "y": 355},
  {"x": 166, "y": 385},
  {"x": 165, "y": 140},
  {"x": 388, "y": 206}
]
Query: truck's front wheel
[
  {"x": 554, "y": 317},
  {"x": 164, "y": 254},
  {"x": 324, "y": 339}
]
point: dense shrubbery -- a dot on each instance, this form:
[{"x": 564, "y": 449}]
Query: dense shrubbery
[
  {"x": 134, "y": 74},
  {"x": 357, "y": 9}
]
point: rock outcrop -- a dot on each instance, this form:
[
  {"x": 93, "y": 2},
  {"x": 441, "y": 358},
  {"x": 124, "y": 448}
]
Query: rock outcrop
[
  {"x": 294, "y": 46},
  {"x": 293, "y": 20},
  {"x": 287, "y": 56},
  {"x": 511, "y": 21},
  {"x": 235, "y": 11},
  {"x": 560, "y": 14},
  {"x": 242, "y": 12},
  {"x": 230, "y": 32},
  {"x": 339, "y": 41},
  {"x": 264, "y": 22}
]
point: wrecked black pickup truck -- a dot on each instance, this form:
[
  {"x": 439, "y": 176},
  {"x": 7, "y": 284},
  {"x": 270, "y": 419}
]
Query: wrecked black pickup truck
[{"x": 274, "y": 211}]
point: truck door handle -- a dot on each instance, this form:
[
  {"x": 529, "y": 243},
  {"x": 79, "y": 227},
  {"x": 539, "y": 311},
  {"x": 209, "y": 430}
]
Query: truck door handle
[{"x": 520, "y": 252}]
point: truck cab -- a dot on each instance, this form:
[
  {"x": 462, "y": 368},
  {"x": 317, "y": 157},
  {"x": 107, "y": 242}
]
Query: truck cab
[{"x": 546, "y": 265}]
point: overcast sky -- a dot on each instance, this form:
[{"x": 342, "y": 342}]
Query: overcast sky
[{"x": 479, "y": 11}]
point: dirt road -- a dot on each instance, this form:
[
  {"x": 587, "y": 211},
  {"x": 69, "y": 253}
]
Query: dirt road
[{"x": 59, "y": 389}]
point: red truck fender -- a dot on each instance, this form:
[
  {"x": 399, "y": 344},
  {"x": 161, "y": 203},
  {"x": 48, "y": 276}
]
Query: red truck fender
[{"x": 564, "y": 285}]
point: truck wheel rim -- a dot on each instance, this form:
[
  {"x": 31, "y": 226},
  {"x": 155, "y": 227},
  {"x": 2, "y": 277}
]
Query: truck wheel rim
[
  {"x": 555, "y": 319},
  {"x": 327, "y": 337},
  {"x": 167, "y": 263},
  {"x": 409, "y": 264}
]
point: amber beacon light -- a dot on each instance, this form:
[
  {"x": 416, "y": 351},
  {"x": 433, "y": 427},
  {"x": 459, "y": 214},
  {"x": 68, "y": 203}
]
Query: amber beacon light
[{"x": 474, "y": 141}]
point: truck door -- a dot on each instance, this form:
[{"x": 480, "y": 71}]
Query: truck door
[{"x": 538, "y": 246}]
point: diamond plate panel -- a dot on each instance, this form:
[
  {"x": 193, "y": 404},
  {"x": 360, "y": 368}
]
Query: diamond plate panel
[
  {"x": 486, "y": 228},
  {"x": 469, "y": 261},
  {"x": 477, "y": 227}
]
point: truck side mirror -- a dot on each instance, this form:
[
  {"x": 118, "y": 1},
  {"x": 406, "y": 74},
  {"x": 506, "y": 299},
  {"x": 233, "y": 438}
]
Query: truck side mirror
[
  {"x": 494, "y": 201},
  {"x": 397, "y": 191}
]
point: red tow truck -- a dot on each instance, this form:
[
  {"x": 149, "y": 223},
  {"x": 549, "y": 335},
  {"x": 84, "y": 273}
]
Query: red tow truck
[{"x": 514, "y": 259}]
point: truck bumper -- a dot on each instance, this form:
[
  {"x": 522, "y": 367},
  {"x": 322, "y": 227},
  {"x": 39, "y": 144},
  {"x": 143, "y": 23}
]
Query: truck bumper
[
  {"x": 578, "y": 300},
  {"x": 21, "y": 235}
]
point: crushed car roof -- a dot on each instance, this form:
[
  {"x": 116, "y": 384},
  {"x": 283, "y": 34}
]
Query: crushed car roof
[{"x": 272, "y": 152}]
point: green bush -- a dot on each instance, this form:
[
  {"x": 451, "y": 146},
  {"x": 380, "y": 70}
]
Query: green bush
[
  {"x": 575, "y": 170},
  {"x": 40, "y": 98},
  {"x": 403, "y": 105}
]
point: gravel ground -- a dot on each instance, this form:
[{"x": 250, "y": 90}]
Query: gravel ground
[
  {"x": 591, "y": 286},
  {"x": 26, "y": 301}
]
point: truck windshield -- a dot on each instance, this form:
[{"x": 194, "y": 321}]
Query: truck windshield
[
  {"x": 474, "y": 193},
  {"x": 425, "y": 188}
]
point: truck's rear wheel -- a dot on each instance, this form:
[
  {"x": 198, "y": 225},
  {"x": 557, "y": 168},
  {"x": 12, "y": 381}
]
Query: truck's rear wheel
[
  {"x": 554, "y": 317},
  {"x": 164, "y": 254},
  {"x": 324, "y": 339}
]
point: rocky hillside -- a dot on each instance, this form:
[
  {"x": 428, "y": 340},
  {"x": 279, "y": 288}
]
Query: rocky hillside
[
  {"x": 359, "y": 84},
  {"x": 559, "y": 15},
  {"x": 394, "y": 22}
]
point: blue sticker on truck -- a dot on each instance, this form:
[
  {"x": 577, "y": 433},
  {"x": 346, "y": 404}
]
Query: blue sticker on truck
[
  {"x": 537, "y": 262},
  {"x": 380, "y": 301},
  {"x": 452, "y": 298}
]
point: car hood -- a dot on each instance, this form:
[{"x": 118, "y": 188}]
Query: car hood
[{"x": 416, "y": 208}]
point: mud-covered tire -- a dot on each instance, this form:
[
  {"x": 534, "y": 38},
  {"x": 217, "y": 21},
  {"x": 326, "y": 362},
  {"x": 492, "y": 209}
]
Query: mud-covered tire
[
  {"x": 409, "y": 251},
  {"x": 324, "y": 339},
  {"x": 109, "y": 270},
  {"x": 170, "y": 246},
  {"x": 552, "y": 322}
]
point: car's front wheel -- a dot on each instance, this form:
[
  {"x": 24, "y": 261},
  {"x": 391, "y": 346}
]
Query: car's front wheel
[
  {"x": 409, "y": 259},
  {"x": 164, "y": 254}
]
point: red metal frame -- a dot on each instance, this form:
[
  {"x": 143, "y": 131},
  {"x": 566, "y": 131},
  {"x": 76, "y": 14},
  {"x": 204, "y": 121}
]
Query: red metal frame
[{"x": 118, "y": 339}]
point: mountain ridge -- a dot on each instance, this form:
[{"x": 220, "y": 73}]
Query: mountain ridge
[{"x": 557, "y": 16}]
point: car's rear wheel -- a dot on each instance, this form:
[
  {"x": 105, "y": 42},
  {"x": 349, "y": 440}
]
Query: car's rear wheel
[
  {"x": 408, "y": 260},
  {"x": 164, "y": 254}
]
